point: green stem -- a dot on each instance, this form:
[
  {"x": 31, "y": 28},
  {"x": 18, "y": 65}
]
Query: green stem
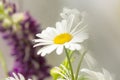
[
  {"x": 79, "y": 65},
  {"x": 70, "y": 65},
  {"x": 65, "y": 62},
  {"x": 3, "y": 64}
]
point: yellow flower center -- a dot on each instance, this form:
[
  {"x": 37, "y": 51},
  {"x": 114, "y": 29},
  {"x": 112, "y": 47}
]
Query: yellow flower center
[{"x": 62, "y": 38}]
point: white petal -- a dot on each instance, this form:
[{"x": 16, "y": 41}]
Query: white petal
[
  {"x": 41, "y": 40},
  {"x": 107, "y": 75},
  {"x": 77, "y": 27},
  {"x": 43, "y": 54},
  {"x": 59, "y": 27},
  {"x": 50, "y": 49},
  {"x": 47, "y": 49},
  {"x": 41, "y": 44},
  {"x": 48, "y": 34},
  {"x": 93, "y": 75},
  {"x": 64, "y": 25},
  {"x": 21, "y": 76},
  {"x": 40, "y": 51},
  {"x": 79, "y": 38},
  {"x": 59, "y": 49},
  {"x": 73, "y": 46},
  {"x": 67, "y": 45},
  {"x": 77, "y": 46},
  {"x": 80, "y": 31},
  {"x": 16, "y": 77},
  {"x": 70, "y": 21},
  {"x": 91, "y": 62}
]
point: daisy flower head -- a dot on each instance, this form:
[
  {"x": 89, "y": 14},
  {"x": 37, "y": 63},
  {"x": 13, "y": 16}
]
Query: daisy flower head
[
  {"x": 68, "y": 33},
  {"x": 16, "y": 77}
]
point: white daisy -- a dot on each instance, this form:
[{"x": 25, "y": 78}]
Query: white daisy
[
  {"x": 92, "y": 75},
  {"x": 16, "y": 77},
  {"x": 70, "y": 32}
]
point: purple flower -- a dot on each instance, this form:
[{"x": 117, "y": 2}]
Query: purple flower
[{"x": 27, "y": 62}]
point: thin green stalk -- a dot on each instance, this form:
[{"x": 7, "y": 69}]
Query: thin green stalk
[
  {"x": 70, "y": 65},
  {"x": 3, "y": 64},
  {"x": 79, "y": 65},
  {"x": 70, "y": 56}
]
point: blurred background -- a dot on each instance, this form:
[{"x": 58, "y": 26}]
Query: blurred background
[{"x": 104, "y": 28}]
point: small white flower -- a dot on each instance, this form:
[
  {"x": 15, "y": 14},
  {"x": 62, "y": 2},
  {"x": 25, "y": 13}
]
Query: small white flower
[
  {"x": 92, "y": 75},
  {"x": 16, "y": 77},
  {"x": 69, "y": 33}
]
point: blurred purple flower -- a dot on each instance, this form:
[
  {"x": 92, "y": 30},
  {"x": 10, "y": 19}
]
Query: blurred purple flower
[{"x": 27, "y": 62}]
